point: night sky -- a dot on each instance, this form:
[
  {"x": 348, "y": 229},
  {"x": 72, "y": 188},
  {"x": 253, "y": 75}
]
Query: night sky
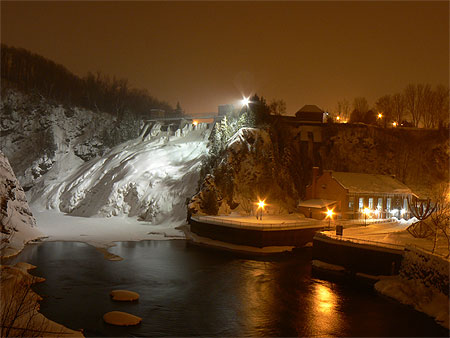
[{"x": 208, "y": 53}]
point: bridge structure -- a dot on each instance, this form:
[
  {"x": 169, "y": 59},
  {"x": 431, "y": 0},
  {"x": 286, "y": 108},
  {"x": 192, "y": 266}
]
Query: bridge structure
[{"x": 171, "y": 124}]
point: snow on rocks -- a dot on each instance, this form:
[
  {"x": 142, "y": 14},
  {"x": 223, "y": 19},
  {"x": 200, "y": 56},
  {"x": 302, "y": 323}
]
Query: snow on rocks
[
  {"x": 124, "y": 295},
  {"x": 414, "y": 293},
  {"x": 120, "y": 318},
  {"x": 423, "y": 282},
  {"x": 327, "y": 266},
  {"x": 17, "y": 223}
]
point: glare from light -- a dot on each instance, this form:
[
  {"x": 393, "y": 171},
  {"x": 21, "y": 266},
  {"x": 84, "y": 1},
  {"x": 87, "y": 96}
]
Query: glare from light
[
  {"x": 338, "y": 118},
  {"x": 402, "y": 212},
  {"x": 330, "y": 213},
  {"x": 195, "y": 123},
  {"x": 380, "y": 115},
  {"x": 261, "y": 204},
  {"x": 394, "y": 124},
  {"x": 245, "y": 101},
  {"x": 367, "y": 211}
]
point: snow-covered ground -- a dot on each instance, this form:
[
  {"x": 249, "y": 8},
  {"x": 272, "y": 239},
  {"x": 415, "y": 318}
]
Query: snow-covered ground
[{"x": 392, "y": 234}]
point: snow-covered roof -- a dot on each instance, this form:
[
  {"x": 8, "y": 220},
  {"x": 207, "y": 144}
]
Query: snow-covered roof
[
  {"x": 316, "y": 203},
  {"x": 310, "y": 108},
  {"x": 370, "y": 183}
]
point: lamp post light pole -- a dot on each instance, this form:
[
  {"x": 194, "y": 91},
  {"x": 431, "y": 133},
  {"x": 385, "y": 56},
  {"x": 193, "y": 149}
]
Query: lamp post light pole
[
  {"x": 329, "y": 214},
  {"x": 366, "y": 212}
]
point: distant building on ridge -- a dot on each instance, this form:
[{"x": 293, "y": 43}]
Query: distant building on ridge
[{"x": 310, "y": 113}]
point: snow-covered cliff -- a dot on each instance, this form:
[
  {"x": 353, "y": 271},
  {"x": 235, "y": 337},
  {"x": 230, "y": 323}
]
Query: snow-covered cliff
[
  {"x": 37, "y": 134},
  {"x": 247, "y": 171},
  {"x": 17, "y": 223}
]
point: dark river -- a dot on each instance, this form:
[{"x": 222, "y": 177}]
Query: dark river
[{"x": 191, "y": 291}]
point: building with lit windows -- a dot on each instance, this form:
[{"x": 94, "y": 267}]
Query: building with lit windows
[{"x": 381, "y": 196}]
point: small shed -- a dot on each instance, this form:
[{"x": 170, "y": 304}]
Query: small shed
[{"x": 316, "y": 208}]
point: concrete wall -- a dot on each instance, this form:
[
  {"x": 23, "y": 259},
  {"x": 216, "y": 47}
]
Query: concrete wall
[
  {"x": 357, "y": 258},
  {"x": 255, "y": 238}
]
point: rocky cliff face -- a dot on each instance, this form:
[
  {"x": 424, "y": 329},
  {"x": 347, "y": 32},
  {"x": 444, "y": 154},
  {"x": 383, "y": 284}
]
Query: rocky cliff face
[
  {"x": 17, "y": 224},
  {"x": 37, "y": 134},
  {"x": 275, "y": 165}
]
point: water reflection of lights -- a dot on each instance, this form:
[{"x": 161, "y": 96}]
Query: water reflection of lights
[
  {"x": 325, "y": 299},
  {"x": 323, "y": 312}
]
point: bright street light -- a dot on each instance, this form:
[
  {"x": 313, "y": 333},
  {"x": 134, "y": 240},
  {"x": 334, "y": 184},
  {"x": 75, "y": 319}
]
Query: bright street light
[
  {"x": 245, "y": 101},
  {"x": 380, "y": 115},
  {"x": 261, "y": 204},
  {"x": 394, "y": 124},
  {"x": 366, "y": 212},
  {"x": 329, "y": 214},
  {"x": 260, "y": 210}
]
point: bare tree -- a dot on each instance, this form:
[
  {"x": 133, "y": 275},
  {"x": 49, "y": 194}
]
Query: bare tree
[
  {"x": 343, "y": 109},
  {"x": 398, "y": 107},
  {"x": 440, "y": 218},
  {"x": 426, "y": 104},
  {"x": 384, "y": 105},
  {"x": 277, "y": 107},
  {"x": 441, "y": 105},
  {"x": 360, "y": 109},
  {"x": 411, "y": 103}
]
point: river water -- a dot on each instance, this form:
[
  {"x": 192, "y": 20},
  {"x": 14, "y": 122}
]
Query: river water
[{"x": 191, "y": 291}]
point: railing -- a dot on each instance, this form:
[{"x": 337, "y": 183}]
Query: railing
[
  {"x": 260, "y": 226},
  {"x": 304, "y": 223},
  {"x": 344, "y": 238}
]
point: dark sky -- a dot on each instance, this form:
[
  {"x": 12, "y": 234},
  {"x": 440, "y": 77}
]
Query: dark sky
[{"x": 209, "y": 53}]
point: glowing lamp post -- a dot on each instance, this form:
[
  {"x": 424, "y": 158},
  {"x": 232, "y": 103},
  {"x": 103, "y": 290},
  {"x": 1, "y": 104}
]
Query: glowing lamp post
[
  {"x": 394, "y": 124},
  {"x": 329, "y": 214},
  {"x": 338, "y": 118},
  {"x": 195, "y": 123},
  {"x": 261, "y": 205},
  {"x": 366, "y": 212},
  {"x": 380, "y": 115}
]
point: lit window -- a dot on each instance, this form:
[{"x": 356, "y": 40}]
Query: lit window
[
  {"x": 361, "y": 203},
  {"x": 388, "y": 203},
  {"x": 371, "y": 203},
  {"x": 350, "y": 203},
  {"x": 380, "y": 203}
]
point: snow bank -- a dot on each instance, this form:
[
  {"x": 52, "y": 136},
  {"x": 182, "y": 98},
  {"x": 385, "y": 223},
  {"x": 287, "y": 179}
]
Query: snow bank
[
  {"x": 415, "y": 293},
  {"x": 17, "y": 223},
  {"x": 423, "y": 283},
  {"x": 327, "y": 266}
]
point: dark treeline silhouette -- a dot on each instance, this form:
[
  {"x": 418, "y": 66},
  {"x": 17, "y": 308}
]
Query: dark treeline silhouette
[{"x": 34, "y": 74}]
